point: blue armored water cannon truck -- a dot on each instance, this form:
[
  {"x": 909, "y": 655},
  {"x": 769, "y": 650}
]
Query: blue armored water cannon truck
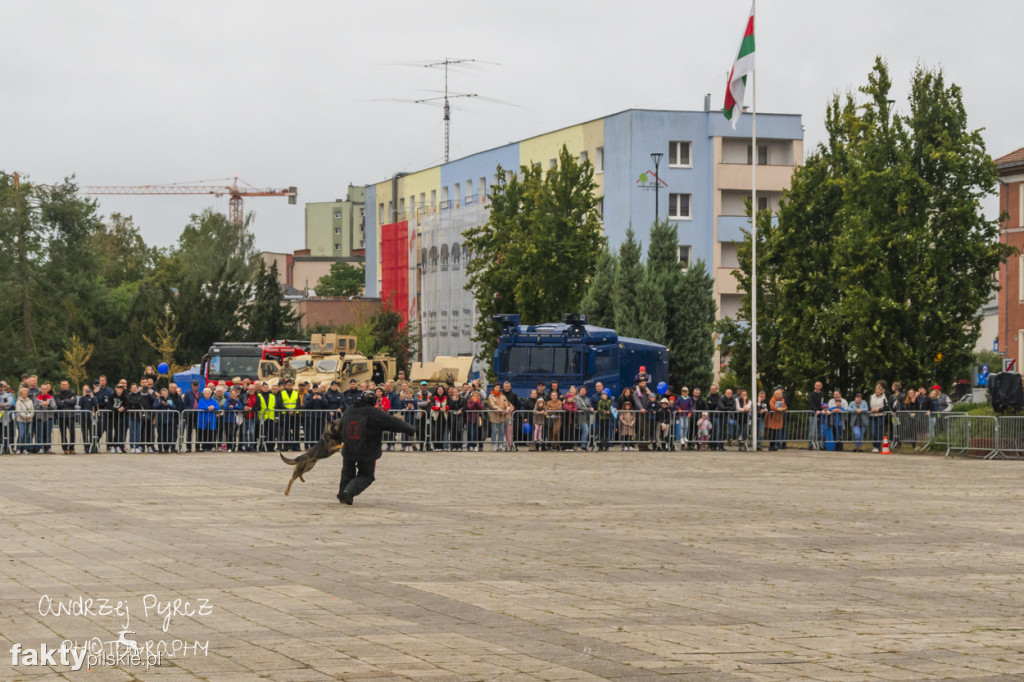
[{"x": 573, "y": 353}]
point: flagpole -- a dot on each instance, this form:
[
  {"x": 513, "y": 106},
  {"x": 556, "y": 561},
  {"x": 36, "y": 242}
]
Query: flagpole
[{"x": 753, "y": 252}]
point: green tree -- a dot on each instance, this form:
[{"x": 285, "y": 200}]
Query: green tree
[
  {"x": 268, "y": 315},
  {"x": 653, "y": 316},
  {"x": 344, "y": 279},
  {"x": 599, "y": 303},
  {"x": 391, "y": 336},
  {"x": 209, "y": 246},
  {"x": 76, "y": 355},
  {"x": 209, "y": 282},
  {"x": 538, "y": 248},
  {"x": 629, "y": 274},
  {"x": 692, "y": 357},
  {"x": 123, "y": 254},
  {"x": 881, "y": 256}
]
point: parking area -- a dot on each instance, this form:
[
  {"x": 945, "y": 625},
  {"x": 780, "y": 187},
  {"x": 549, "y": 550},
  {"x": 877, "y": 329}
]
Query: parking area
[{"x": 516, "y": 566}]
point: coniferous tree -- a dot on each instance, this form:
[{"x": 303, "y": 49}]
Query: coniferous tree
[
  {"x": 653, "y": 319},
  {"x": 629, "y": 274},
  {"x": 599, "y": 303},
  {"x": 692, "y": 360},
  {"x": 268, "y": 316}
]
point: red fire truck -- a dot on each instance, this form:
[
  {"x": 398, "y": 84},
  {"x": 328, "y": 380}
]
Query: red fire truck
[{"x": 229, "y": 360}]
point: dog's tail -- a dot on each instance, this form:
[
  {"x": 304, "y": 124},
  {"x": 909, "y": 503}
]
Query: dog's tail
[{"x": 288, "y": 461}]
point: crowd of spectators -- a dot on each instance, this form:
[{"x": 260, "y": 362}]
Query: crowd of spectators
[{"x": 252, "y": 415}]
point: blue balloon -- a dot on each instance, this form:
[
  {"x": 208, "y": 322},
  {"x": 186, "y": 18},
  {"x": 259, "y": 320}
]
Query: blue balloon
[
  {"x": 162, "y": 368},
  {"x": 662, "y": 388},
  {"x": 527, "y": 427}
]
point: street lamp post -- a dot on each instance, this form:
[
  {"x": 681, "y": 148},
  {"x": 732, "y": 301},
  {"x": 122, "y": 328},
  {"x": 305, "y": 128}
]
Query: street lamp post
[{"x": 656, "y": 158}]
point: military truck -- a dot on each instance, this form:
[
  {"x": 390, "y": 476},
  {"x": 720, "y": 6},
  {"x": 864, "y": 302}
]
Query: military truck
[
  {"x": 443, "y": 370},
  {"x": 332, "y": 357}
]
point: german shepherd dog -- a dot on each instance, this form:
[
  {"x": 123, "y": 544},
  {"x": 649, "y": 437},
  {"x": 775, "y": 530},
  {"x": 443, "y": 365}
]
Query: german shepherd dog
[{"x": 329, "y": 443}]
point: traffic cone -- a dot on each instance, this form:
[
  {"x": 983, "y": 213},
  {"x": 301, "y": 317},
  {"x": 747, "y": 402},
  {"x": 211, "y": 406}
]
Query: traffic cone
[{"x": 885, "y": 446}]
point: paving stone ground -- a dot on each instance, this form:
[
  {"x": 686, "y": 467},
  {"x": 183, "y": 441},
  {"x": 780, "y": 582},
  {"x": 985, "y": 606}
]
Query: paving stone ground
[{"x": 524, "y": 566}]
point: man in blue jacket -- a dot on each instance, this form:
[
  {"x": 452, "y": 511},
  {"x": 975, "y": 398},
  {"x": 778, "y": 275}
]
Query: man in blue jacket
[
  {"x": 102, "y": 393},
  {"x": 190, "y": 403}
]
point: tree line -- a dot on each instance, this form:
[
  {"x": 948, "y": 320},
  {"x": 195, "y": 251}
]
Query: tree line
[
  {"x": 880, "y": 257},
  {"x": 543, "y": 253},
  {"x": 82, "y": 294}
]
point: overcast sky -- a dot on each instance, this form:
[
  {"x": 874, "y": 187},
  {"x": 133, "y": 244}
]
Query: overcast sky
[{"x": 282, "y": 93}]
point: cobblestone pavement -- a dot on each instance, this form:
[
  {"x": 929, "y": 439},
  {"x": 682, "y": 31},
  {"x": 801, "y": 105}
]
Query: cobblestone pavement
[{"x": 522, "y": 566}]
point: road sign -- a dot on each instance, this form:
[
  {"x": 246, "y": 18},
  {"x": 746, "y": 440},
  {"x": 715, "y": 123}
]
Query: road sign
[{"x": 1009, "y": 364}]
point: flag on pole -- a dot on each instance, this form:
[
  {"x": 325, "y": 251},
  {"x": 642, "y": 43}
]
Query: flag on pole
[{"x": 738, "y": 77}]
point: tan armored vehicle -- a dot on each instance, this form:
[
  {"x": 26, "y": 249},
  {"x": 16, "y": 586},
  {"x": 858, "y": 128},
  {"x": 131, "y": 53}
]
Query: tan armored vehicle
[
  {"x": 443, "y": 370},
  {"x": 332, "y": 357}
]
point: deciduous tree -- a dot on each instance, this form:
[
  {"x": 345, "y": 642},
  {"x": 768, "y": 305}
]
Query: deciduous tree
[
  {"x": 344, "y": 279},
  {"x": 536, "y": 253},
  {"x": 881, "y": 256}
]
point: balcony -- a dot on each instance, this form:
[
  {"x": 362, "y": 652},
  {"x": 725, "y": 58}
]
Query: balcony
[
  {"x": 725, "y": 282},
  {"x": 737, "y": 176},
  {"x": 730, "y": 227}
]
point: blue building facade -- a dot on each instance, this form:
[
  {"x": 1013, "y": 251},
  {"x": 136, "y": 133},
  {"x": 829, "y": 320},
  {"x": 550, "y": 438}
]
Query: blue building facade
[{"x": 704, "y": 179}]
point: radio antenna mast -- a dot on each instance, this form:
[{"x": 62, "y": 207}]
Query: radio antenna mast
[{"x": 445, "y": 95}]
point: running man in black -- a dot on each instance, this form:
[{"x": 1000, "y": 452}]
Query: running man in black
[{"x": 361, "y": 429}]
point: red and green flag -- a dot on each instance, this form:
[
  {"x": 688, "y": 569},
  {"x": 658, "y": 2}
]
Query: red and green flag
[{"x": 738, "y": 77}]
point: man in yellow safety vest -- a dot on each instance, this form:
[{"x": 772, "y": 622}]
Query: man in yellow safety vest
[
  {"x": 267, "y": 403},
  {"x": 289, "y": 423}
]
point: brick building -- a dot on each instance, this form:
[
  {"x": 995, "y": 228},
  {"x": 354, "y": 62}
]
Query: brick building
[{"x": 1011, "y": 275}]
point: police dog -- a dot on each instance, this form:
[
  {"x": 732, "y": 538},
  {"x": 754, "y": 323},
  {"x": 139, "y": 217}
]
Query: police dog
[{"x": 329, "y": 443}]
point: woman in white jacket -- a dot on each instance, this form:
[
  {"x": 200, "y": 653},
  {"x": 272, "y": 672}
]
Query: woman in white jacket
[{"x": 24, "y": 413}]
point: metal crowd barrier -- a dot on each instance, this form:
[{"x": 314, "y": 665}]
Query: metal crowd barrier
[
  {"x": 296, "y": 430},
  {"x": 231, "y": 430},
  {"x": 973, "y": 434}
]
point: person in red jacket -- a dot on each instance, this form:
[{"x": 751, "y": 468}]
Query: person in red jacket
[{"x": 250, "y": 408}]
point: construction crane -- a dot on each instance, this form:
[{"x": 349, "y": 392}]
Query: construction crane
[{"x": 236, "y": 214}]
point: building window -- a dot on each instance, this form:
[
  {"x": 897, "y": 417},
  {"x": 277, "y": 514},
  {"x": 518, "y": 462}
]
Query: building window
[
  {"x": 599, "y": 165},
  {"x": 552, "y": 163},
  {"x": 583, "y": 157},
  {"x": 458, "y": 194},
  {"x": 762, "y": 202},
  {"x": 679, "y": 206},
  {"x": 401, "y": 205},
  {"x": 337, "y": 214},
  {"x": 683, "y": 256},
  {"x": 1020, "y": 199},
  {"x": 1020, "y": 279},
  {"x": 600, "y": 208},
  {"x": 762, "y": 155},
  {"x": 433, "y": 199},
  {"x": 337, "y": 246},
  {"x": 337, "y": 230},
  {"x": 380, "y": 214},
  {"x": 444, "y": 197},
  {"x": 679, "y": 154},
  {"x": 483, "y": 187},
  {"x": 469, "y": 191}
]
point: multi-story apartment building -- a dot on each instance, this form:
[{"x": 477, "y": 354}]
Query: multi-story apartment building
[
  {"x": 414, "y": 221},
  {"x": 335, "y": 229}
]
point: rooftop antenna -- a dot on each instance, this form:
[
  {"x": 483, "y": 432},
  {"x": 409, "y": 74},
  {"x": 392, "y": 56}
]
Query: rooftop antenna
[
  {"x": 443, "y": 98},
  {"x": 447, "y": 107}
]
